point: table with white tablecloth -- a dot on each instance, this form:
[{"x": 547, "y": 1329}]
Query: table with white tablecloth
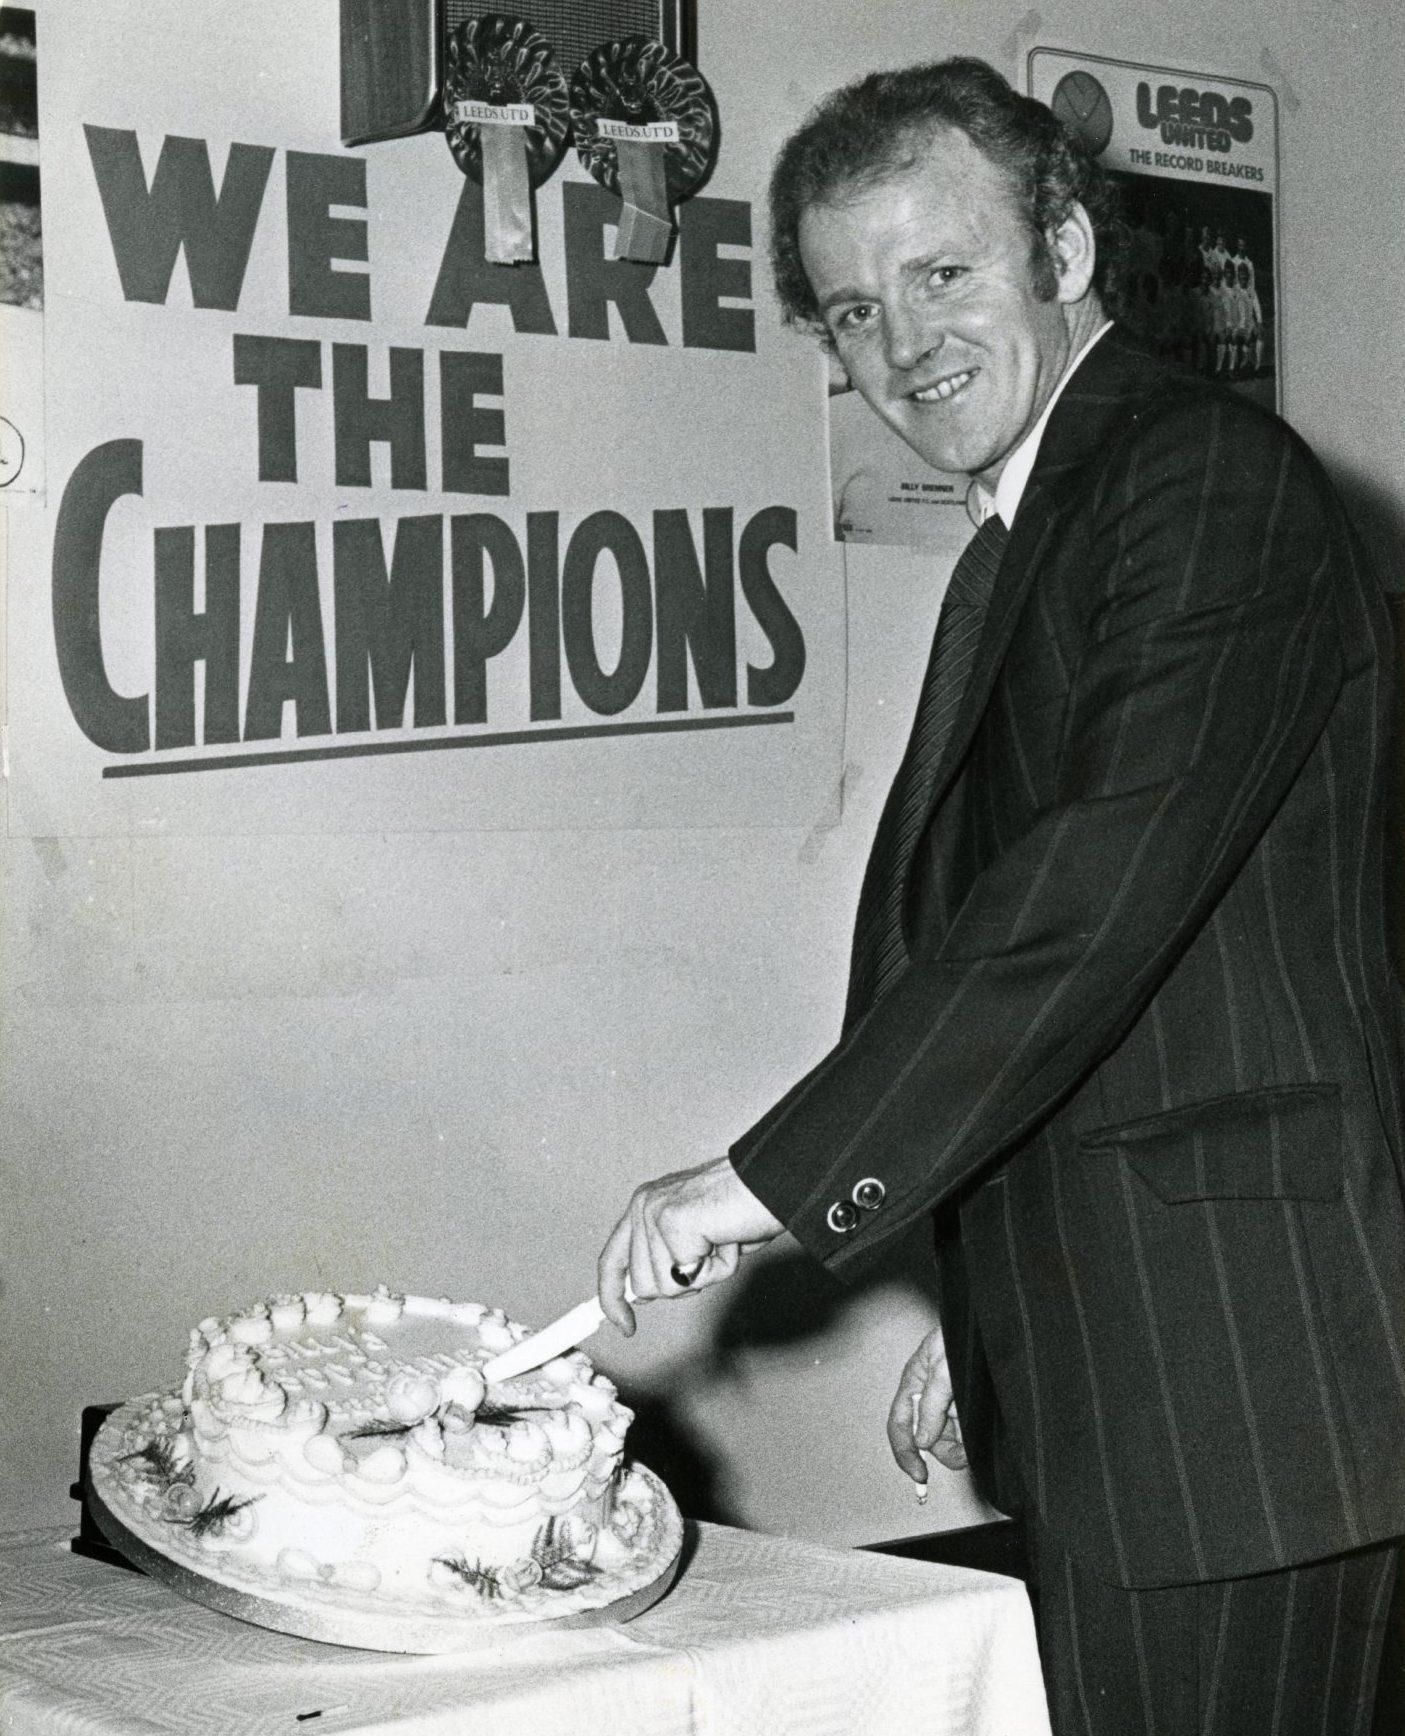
[{"x": 760, "y": 1636}]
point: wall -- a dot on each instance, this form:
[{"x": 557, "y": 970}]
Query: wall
[{"x": 235, "y": 1064}]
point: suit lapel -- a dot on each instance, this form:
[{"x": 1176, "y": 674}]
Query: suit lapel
[{"x": 1111, "y": 377}]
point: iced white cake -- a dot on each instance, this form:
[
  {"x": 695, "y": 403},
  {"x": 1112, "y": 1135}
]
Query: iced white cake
[{"x": 344, "y": 1452}]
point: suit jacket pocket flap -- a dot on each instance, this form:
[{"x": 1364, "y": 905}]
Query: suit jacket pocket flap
[{"x": 1280, "y": 1143}]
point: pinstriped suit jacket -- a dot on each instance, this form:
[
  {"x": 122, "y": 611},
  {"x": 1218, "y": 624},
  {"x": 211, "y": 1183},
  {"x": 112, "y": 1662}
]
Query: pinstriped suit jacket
[{"x": 1144, "y": 1065}]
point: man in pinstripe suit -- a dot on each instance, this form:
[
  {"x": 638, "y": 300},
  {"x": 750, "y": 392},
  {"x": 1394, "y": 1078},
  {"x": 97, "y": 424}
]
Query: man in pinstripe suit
[{"x": 1123, "y": 1020}]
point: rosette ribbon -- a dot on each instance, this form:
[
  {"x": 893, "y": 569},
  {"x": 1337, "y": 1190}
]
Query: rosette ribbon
[
  {"x": 646, "y": 127},
  {"x": 506, "y": 116}
]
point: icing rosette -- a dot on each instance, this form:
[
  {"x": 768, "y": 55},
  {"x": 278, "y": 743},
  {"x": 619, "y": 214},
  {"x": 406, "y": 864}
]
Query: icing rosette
[
  {"x": 506, "y": 117},
  {"x": 645, "y": 127}
]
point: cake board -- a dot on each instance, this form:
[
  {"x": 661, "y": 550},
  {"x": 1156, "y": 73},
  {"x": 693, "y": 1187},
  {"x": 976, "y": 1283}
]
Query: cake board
[{"x": 614, "y": 1597}]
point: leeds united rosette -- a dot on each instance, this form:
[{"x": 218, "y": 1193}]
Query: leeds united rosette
[
  {"x": 506, "y": 116},
  {"x": 646, "y": 128}
]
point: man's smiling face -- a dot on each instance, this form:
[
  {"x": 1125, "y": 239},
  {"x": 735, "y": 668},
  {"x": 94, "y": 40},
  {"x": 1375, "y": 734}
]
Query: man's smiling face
[{"x": 926, "y": 283}]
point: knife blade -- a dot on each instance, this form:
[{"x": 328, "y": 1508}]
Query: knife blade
[
  {"x": 565, "y": 1333},
  {"x": 572, "y": 1328}
]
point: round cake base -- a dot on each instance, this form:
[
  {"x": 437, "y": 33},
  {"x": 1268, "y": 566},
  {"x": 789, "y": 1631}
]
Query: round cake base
[{"x": 613, "y": 1595}]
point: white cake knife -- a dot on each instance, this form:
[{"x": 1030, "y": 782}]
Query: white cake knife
[{"x": 573, "y": 1328}]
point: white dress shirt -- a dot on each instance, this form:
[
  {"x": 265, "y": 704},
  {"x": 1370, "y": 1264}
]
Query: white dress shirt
[{"x": 1009, "y": 491}]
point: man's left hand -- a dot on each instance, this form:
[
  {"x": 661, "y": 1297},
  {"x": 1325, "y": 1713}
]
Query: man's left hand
[
  {"x": 922, "y": 1418},
  {"x": 704, "y": 1218}
]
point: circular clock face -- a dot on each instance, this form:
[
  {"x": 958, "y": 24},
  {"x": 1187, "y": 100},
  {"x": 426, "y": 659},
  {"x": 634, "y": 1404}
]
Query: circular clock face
[{"x": 11, "y": 452}]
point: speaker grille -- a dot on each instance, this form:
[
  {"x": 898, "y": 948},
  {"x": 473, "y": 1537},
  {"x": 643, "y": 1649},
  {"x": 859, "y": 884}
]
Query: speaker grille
[{"x": 574, "y": 27}]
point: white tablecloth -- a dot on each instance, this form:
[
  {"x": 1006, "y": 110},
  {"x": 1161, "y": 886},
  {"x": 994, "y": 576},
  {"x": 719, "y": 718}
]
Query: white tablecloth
[{"x": 760, "y": 1637}]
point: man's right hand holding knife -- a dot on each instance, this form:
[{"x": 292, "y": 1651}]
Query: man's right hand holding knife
[
  {"x": 685, "y": 1231},
  {"x": 680, "y": 1233}
]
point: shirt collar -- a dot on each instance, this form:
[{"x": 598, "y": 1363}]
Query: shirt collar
[{"x": 1009, "y": 491}]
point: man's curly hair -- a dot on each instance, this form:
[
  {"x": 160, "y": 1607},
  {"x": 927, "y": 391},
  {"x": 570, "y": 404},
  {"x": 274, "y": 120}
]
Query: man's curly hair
[{"x": 880, "y": 125}]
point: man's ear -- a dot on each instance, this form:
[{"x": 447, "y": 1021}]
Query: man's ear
[{"x": 1074, "y": 252}]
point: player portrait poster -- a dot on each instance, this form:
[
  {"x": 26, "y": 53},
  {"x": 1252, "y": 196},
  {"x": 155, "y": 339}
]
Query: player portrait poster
[
  {"x": 881, "y": 491},
  {"x": 1196, "y": 157}
]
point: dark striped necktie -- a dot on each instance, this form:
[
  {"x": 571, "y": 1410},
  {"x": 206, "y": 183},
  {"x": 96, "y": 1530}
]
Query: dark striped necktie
[{"x": 880, "y": 949}]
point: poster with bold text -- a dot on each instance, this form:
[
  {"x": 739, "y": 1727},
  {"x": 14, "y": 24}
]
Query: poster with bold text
[
  {"x": 346, "y": 527},
  {"x": 1196, "y": 157}
]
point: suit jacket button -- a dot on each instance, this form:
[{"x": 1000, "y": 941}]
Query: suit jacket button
[
  {"x": 870, "y": 1194},
  {"x": 842, "y": 1217}
]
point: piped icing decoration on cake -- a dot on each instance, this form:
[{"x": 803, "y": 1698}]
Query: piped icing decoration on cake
[
  {"x": 560, "y": 1560},
  {"x": 411, "y": 1397},
  {"x": 349, "y": 1448},
  {"x": 506, "y": 117},
  {"x": 645, "y": 126}
]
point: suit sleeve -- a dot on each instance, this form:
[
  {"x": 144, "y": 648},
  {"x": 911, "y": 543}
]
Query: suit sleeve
[{"x": 1209, "y": 665}]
